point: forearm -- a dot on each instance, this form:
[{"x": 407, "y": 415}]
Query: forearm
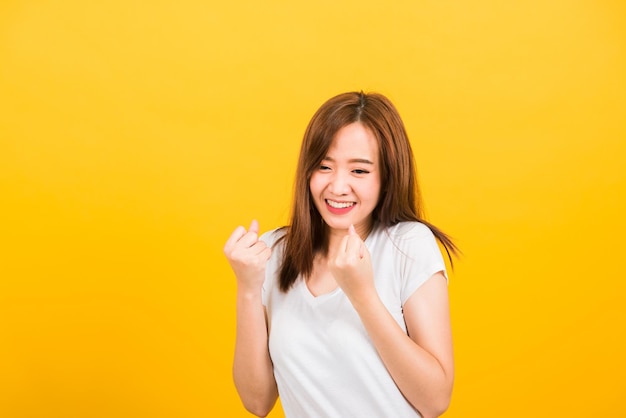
[
  {"x": 252, "y": 368},
  {"x": 417, "y": 373}
]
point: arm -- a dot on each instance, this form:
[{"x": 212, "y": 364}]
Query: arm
[
  {"x": 252, "y": 367},
  {"x": 421, "y": 363}
]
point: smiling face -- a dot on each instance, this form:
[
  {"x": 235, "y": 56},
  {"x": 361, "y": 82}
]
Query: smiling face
[{"x": 346, "y": 186}]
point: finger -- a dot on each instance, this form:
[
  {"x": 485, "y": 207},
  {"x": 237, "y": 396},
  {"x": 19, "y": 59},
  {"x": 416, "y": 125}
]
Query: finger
[
  {"x": 352, "y": 231},
  {"x": 258, "y": 247},
  {"x": 248, "y": 239},
  {"x": 239, "y": 232},
  {"x": 254, "y": 226},
  {"x": 353, "y": 246},
  {"x": 343, "y": 245},
  {"x": 266, "y": 253}
]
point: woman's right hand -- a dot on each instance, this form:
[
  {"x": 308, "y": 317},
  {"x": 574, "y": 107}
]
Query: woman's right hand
[
  {"x": 247, "y": 256},
  {"x": 253, "y": 371}
]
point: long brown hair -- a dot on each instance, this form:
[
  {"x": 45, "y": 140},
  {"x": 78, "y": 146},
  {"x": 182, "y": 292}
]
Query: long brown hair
[{"x": 399, "y": 200}]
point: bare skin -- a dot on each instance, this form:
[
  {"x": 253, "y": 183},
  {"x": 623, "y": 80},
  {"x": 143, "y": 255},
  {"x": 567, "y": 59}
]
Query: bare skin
[{"x": 252, "y": 367}]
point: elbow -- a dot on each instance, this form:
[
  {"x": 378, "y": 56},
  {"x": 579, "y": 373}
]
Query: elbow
[
  {"x": 258, "y": 403},
  {"x": 434, "y": 410},
  {"x": 259, "y": 409},
  {"x": 438, "y": 404},
  {"x": 257, "y": 397},
  {"x": 438, "y": 409}
]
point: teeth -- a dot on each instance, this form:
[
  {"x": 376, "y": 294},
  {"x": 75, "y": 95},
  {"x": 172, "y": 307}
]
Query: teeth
[{"x": 340, "y": 205}]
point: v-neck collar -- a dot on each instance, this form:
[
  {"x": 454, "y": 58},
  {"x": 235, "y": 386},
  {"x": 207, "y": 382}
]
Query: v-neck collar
[{"x": 316, "y": 300}]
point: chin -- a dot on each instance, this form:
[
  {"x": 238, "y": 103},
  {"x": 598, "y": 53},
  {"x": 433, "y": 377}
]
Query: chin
[{"x": 338, "y": 225}]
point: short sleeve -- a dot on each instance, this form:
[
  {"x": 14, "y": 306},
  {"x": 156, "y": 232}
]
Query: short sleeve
[{"x": 419, "y": 257}]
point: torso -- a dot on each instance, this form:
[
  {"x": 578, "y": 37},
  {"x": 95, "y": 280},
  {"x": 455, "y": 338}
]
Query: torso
[{"x": 325, "y": 364}]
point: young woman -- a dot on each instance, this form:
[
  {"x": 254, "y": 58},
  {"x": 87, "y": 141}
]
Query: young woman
[{"x": 344, "y": 312}]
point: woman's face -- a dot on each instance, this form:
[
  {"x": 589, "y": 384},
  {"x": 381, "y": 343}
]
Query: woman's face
[{"x": 346, "y": 186}]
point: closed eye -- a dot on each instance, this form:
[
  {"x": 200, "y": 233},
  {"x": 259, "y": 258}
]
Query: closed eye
[{"x": 360, "y": 171}]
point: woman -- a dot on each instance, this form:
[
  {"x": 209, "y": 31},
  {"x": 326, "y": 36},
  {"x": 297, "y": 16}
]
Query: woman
[{"x": 344, "y": 312}]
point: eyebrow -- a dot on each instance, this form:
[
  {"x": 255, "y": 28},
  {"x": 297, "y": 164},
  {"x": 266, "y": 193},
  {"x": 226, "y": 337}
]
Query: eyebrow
[{"x": 352, "y": 160}]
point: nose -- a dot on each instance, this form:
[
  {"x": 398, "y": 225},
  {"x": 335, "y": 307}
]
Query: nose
[{"x": 339, "y": 183}]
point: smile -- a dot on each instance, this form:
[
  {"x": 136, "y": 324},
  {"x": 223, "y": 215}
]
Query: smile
[{"x": 339, "y": 205}]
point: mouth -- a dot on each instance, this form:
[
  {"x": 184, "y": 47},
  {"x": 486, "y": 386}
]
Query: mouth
[
  {"x": 339, "y": 205},
  {"x": 339, "y": 208}
]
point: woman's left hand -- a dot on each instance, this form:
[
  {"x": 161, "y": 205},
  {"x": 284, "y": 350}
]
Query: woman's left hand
[{"x": 352, "y": 267}]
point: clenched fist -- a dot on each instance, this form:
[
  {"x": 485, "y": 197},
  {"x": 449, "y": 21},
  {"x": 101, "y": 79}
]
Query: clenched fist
[
  {"x": 247, "y": 256},
  {"x": 352, "y": 267}
]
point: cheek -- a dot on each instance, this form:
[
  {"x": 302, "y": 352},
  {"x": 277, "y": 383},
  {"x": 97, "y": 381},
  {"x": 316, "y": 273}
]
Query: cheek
[
  {"x": 375, "y": 191},
  {"x": 315, "y": 185}
]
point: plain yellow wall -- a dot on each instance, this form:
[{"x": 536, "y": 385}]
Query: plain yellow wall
[{"x": 135, "y": 135}]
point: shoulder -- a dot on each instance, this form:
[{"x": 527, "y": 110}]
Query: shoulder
[
  {"x": 413, "y": 239},
  {"x": 409, "y": 251},
  {"x": 409, "y": 231}
]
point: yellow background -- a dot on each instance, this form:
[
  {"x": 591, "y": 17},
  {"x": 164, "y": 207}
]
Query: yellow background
[{"x": 135, "y": 135}]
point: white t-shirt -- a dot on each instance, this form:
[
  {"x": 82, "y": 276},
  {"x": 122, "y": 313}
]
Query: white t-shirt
[{"x": 325, "y": 364}]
